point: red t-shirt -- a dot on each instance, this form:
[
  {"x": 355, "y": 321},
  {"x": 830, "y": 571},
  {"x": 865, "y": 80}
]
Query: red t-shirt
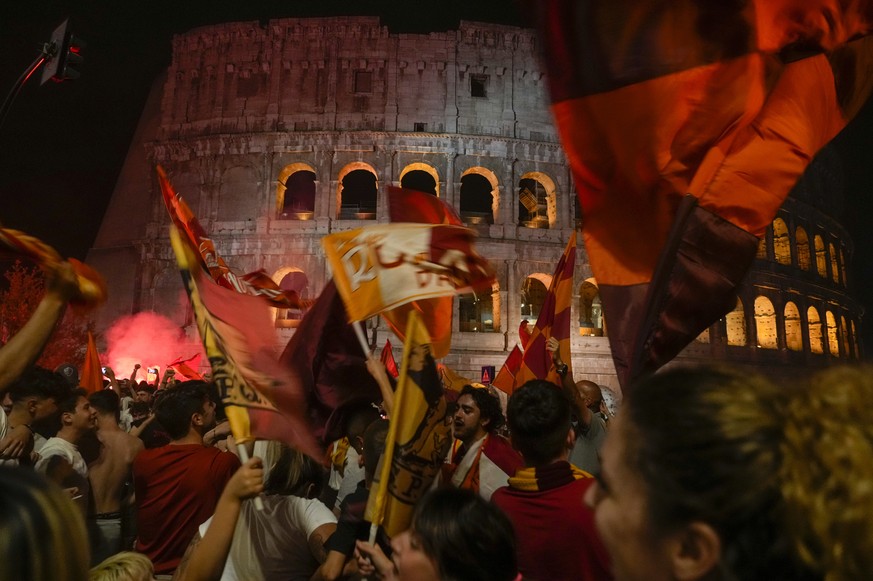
[
  {"x": 555, "y": 534},
  {"x": 177, "y": 488}
]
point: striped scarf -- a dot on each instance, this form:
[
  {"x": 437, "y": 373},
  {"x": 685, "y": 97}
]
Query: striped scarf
[{"x": 533, "y": 479}]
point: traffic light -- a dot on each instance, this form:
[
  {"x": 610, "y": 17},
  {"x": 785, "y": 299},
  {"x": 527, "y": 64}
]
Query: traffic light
[{"x": 63, "y": 55}]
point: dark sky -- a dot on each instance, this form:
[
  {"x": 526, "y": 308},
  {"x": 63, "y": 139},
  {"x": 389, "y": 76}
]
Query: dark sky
[{"x": 62, "y": 145}]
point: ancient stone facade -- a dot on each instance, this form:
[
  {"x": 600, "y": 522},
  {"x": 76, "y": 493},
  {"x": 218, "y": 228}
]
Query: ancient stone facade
[{"x": 277, "y": 135}]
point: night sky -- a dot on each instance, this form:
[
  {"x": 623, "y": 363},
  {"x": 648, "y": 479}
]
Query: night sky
[{"x": 62, "y": 144}]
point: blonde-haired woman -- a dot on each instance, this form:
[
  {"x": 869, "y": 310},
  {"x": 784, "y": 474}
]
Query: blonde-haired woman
[{"x": 716, "y": 474}]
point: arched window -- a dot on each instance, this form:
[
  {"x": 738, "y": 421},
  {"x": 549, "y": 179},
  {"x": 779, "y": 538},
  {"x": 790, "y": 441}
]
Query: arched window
[
  {"x": 295, "y": 280},
  {"x": 420, "y": 177},
  {"x": 478, "y": 203},
  {"x": 735, "y": 323},
  {"x": 577, "y": 211},
  {"x": 295, "y": 194},
  {"x": 814, "y": 321},
  {"x": 765, "y": 323},
  {"x": 480, "y": 313},
  {"x": 533, "y": 294},
  {"x": 537, "y": 206},
  {"x": 590, "y": 309},
  {"x": 833, "y": 340},
  {"x": 835, "y": 267},
  {"x": 856, "y": 349},
  {"x": 781, "y": 242},
  {"x": 793, "y": 330},
  {"x": 821, "y": 261},
  {"x": 357, "y": 192},
  {"x": 843, "y": 266},
  {"x": 762, "y": 248},
  {"x": 802, "y": 241}
]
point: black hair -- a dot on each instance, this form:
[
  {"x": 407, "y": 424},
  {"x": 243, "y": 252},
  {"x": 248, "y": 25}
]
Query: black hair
[
  {"x": 489, "y": 407},
  {"x": 469, "y": 538},
  {"x": 39, "y": 382},
  {"x": 539, "y": 420},
  {"x": 106, "y": 402},
  {"x": 67, "y": 404},
  {"x": 175, "y": 406}
]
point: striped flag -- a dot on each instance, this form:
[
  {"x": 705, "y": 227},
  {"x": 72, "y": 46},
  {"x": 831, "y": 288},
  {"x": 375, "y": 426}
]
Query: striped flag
[
  {"x": 92, "y": 373},
  {"x": 256, "y": 283},
  {"x": 505, "y": 379},
  {"x": 419, "y": 436},
  {"x": 553, "y": 321},
  {"x": 686, "y": 124},
  {"x": 261, "y": 398}
]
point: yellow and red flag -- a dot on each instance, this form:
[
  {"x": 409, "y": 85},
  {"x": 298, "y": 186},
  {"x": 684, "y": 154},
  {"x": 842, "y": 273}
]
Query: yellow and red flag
[
  {"x": 686, "y": 124},
  {"x": 256, "y": 283},
  {"x": 92, "y": 372},
  {"x": 419, "y": 436},
  {"x": 382, "y": 267},
  {"x": 553, "y": 321},
  {"x": 505, "y": 379},
  {"x": 261, "y": 398}
]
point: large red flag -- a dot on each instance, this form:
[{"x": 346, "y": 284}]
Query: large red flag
[
  {"x": 186, "y": 368},
  {"x": 553, "y": 321},
  {"x": 92, "y": 373},
  {"x": 261, "y": 398},
  {"x": 256, "y": 283},
  {"x": 325, "y": 354},
  {"x": 686, "y": 124}
]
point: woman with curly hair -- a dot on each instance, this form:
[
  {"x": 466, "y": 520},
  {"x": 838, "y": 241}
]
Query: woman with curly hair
[{"x": 715, "y": 474}]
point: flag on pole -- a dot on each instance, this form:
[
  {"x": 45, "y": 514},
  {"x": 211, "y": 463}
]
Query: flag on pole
[
  {"x": 324, "y": 353},
  {"x": 186, "y": 368},
  {"x": 261, "y": 398},
  {"x": 686, "y": 125},
  {"x": 419, "y": 436},
  {"x": 524, "y": 333},
  {"x": 92, "y": 372},
  {"x": 505, "y": 380},
  {"x": 379, "y": 268},
  {"x": 256, "y": 283},
  {"x": 553, "y": 321},
  {"x": 387, "y": 359},
  {"x": 436, "y": 313}
]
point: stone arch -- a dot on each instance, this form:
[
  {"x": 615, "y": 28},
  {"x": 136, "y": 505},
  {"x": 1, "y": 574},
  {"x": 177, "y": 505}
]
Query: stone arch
[
  {"x": 357, "y": 191},
  {"x": 735, "y": 323},
  {"x": 537, "y": 201},
  {"x": 833, "y": 338},
  {"x": 781, "y": 242},
  {"x": 765, "y": 323},
  {"x": 479, "y": 196},
  {"x": 590, "y": 309},
  {"x": 299, "y": 202},
  {"x": 844, "y": 336},
  {"x": 843, "y": 266},
  {"x": 291, "y": 278},
  {"x": 480, "y": 313},
  {"x": 762, "y": 248},
  {"x": 802, "y": 241},
  {"x": 835, "y": 267},
  {"x": 792, "y": 327},
  {"x": 420, "y": 167},
  {"x": 821, "y": 260},
  {"x": 856, "y": 348},
  {"x": 813, "y": 321},
  {"x": 533, "y": 294}
]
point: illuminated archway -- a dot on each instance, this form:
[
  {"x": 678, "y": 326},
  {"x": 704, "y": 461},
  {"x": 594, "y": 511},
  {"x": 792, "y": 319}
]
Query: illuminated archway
[
  {"x": 357, "y": 192},
  {"x": 291, "y": 278},
  {"x": 735, "y": 324},
  {"x": 299, "y": 202},
  {"x": 833, "y": 339},
  {"x": 802, "y": 242},
  {"x": 814, "y": 323},
  {"x": 480, "y": 313},
  {"x": 793, "y": 330},
  {"x": 537, "y": 202},
  {"x": 765, "y": 323},
  {"x": 422, "y": 167},
  {"x": 479, "y": 196},
  {"x": 821, "y": 261},
  {"x": 590, "y": 309},
  {"x": 835, "y": 267},
  {"x": 533, "y": 294},
  {"x": 781, "y": 242}
]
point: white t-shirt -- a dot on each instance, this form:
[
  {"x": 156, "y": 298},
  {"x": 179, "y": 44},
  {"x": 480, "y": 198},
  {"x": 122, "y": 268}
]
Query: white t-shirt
[
  {"x": 274, "y": 543},
  {"x": 4, "y": 429},
  {"x": 60, "y": 447}
]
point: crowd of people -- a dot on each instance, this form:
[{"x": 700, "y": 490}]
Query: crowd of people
[{"x": 703, "y": 473}]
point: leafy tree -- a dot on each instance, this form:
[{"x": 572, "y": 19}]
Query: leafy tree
[{"x": 23, "y": 290}]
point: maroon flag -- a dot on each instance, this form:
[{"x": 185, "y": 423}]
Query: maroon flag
[
  {"x": 325, "y": 354},
  {"x": 524, "y": 333},
  {"x": 686, "y": 124},
  {"x": 412, "y": 206},
  {"x": 388, "y": 359},
  {"x": 186, "y": 368},
  {"x": 256, "y": 283}
]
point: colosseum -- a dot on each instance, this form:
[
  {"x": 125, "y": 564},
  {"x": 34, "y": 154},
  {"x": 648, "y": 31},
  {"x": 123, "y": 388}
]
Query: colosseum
[{"x": 279, "y": 134}]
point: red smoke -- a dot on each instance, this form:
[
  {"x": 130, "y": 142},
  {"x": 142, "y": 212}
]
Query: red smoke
[{"x": 149, "y": 339}]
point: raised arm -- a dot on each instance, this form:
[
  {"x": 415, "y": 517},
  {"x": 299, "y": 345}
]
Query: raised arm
[{"x": 377, "y": 370}]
